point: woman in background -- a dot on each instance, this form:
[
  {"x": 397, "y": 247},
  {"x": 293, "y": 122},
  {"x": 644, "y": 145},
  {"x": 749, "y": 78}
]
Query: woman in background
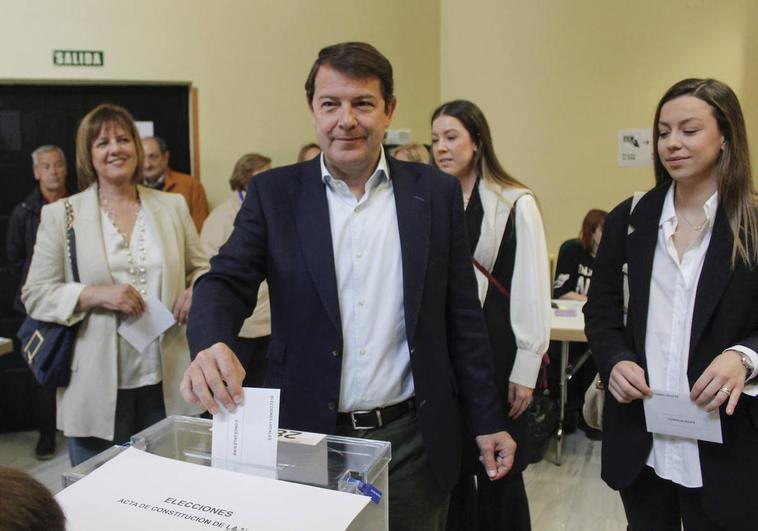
[
  {"x": 412, "y": 152},
  {"x": 689, "y": 250},
  {"x": 573, "y": 275},
  {"x": 308, "y": 152},
  {"x": 510, "y": 258},
  {"x": 136, "y": 249},
  {"x": 573, "y": 271},
  {"x": 252, "y": 342}
]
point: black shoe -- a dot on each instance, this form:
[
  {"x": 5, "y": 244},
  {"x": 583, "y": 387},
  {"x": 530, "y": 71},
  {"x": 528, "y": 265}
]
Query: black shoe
[
  {"x": 593, "y": 434},
  {"x": 45, "y": 447}
]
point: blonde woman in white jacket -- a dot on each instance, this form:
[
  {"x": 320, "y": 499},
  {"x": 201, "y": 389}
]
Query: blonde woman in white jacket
[{"x": 133, "y": 244}]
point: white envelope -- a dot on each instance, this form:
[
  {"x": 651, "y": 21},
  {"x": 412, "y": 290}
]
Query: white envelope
[
  {"x": 671, "y": 413},
  {"x": 246, "y": 440},
  {"x": 143, "y": 330}
]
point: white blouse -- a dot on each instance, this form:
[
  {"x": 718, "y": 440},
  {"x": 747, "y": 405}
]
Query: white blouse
[
  {"x": 135, "y": 369},
  {"x": 530, "y": 294},
  {"x": 673, "y": 288}
]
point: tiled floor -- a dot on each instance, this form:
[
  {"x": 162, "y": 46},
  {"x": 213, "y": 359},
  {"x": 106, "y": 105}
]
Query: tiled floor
[
  {"x": 17, "y": 451},
  {"x": 570, "y": 497}
]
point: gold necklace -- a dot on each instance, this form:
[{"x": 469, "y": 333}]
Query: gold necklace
[{"x": 694, "y": 227}]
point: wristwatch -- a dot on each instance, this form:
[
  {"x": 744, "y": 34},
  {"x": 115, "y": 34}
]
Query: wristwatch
[{"x": 747, "y": 363}]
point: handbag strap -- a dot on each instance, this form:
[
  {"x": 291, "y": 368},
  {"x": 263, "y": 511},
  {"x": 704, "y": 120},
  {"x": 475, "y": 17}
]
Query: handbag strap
[
  {"x": 71, "y": 239},
  {"x": 492, "y": 280},
  {"x": 483, "y": 270}
]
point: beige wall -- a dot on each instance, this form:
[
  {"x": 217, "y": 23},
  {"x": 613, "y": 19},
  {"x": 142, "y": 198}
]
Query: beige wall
[
  {"x": 248, "y": 60},
  {"x": 558, "y": 78}
]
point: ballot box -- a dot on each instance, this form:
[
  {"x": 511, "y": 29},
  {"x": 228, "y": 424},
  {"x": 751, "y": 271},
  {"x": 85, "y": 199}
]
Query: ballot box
[{"x": 345, "y": 464}]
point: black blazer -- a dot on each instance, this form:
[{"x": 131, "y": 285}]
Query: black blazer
[
  {"x": 725, "y": 314},
  {"x": 282, "y": 234}
]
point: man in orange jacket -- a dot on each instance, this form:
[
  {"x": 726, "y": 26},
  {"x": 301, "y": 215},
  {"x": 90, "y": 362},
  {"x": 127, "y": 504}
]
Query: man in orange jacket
[{"x": 160, "y": 176}]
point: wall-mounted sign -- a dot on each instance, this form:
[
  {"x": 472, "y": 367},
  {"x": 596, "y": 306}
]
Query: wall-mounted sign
[
  {"x": 78, "y": 58},
  {"x": 635, "y": 147}
]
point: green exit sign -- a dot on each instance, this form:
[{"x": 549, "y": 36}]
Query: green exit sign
[{"x": 78, "y": 58}]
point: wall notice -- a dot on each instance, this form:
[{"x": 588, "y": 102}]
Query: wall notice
[{"x": 635, "y": 147}]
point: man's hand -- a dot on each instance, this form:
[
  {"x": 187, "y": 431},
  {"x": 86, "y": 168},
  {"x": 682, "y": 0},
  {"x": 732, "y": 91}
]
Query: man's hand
[
  {"x": 497, "y": 451},
  {"x": 722, "y": 381},
  {"x": 215, "y": 375},
  {"x": 627, "y": 382}
]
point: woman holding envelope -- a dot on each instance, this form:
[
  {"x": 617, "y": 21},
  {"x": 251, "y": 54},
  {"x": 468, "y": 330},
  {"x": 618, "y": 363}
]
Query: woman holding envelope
[
  {"x": 688, "y": 343},
  {"x": 138, "y": 254}
]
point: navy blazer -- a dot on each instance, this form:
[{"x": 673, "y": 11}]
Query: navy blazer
[
  {"x": 725, "y": 314},
  {"x": 282, "y": 234}
]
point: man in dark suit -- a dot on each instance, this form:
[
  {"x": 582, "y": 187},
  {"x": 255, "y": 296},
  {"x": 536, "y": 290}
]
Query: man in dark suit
[{"x": 376, "y": 326}]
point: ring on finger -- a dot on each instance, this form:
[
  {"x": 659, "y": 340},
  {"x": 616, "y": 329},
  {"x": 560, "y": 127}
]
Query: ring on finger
[{"x": 725, "y": 390}]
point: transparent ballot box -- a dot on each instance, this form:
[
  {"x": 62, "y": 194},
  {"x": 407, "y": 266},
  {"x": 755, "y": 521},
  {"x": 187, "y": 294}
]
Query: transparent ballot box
[{"x": 339, "y": 463}]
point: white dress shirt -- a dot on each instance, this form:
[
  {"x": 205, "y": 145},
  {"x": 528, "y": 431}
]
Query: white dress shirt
[
  {"x": 673, "y": 287},
  {"x": 376, "y": 369},
  {"x": 135, "y": 369}
]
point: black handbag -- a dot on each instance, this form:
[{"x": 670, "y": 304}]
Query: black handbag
[{"x": 48, "y": 347}]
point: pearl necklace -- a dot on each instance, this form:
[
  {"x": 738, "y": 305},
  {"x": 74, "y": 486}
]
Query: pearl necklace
[{"x": 137, "y": 269}]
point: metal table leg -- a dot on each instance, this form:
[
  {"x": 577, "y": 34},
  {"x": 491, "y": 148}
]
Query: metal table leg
[{"x": 564, "y": 381}]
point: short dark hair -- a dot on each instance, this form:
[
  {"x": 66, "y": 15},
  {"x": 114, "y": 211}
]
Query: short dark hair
[
  {"x": 27, "y": 504},
  {"x": 162, "y": 146},
  {"x": 355, "y": 59}
]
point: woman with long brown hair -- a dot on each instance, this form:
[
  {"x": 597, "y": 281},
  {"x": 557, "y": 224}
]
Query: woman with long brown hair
[
  {"x": 687, "y": 252},
  {"x": 507, "y": 240}
]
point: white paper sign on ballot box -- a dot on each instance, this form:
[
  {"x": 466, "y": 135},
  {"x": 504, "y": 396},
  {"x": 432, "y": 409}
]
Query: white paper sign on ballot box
[{"x": 138, "y": 490}]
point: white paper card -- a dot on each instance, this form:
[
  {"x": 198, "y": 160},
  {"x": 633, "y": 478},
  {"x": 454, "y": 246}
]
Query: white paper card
[
  {"x": 143, "y": 330},
  {"x": 670, "y": 413},
  {"x": 248, "y": 436},
  {"x": 138, "y": 490},
  {"x": 145, "y": 129}
]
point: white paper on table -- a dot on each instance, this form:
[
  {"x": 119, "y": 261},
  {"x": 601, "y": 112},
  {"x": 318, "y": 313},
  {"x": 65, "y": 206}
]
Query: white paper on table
[
  {"x": 248, "y": 436},
  {"x": 143, "y": 330},
  {"x": 138, "y": 490},
  {"x": 671, "y": 413}
]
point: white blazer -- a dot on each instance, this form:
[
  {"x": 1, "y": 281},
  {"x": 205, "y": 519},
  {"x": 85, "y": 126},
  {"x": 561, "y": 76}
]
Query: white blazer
[{"x": 87, "y": 407}]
